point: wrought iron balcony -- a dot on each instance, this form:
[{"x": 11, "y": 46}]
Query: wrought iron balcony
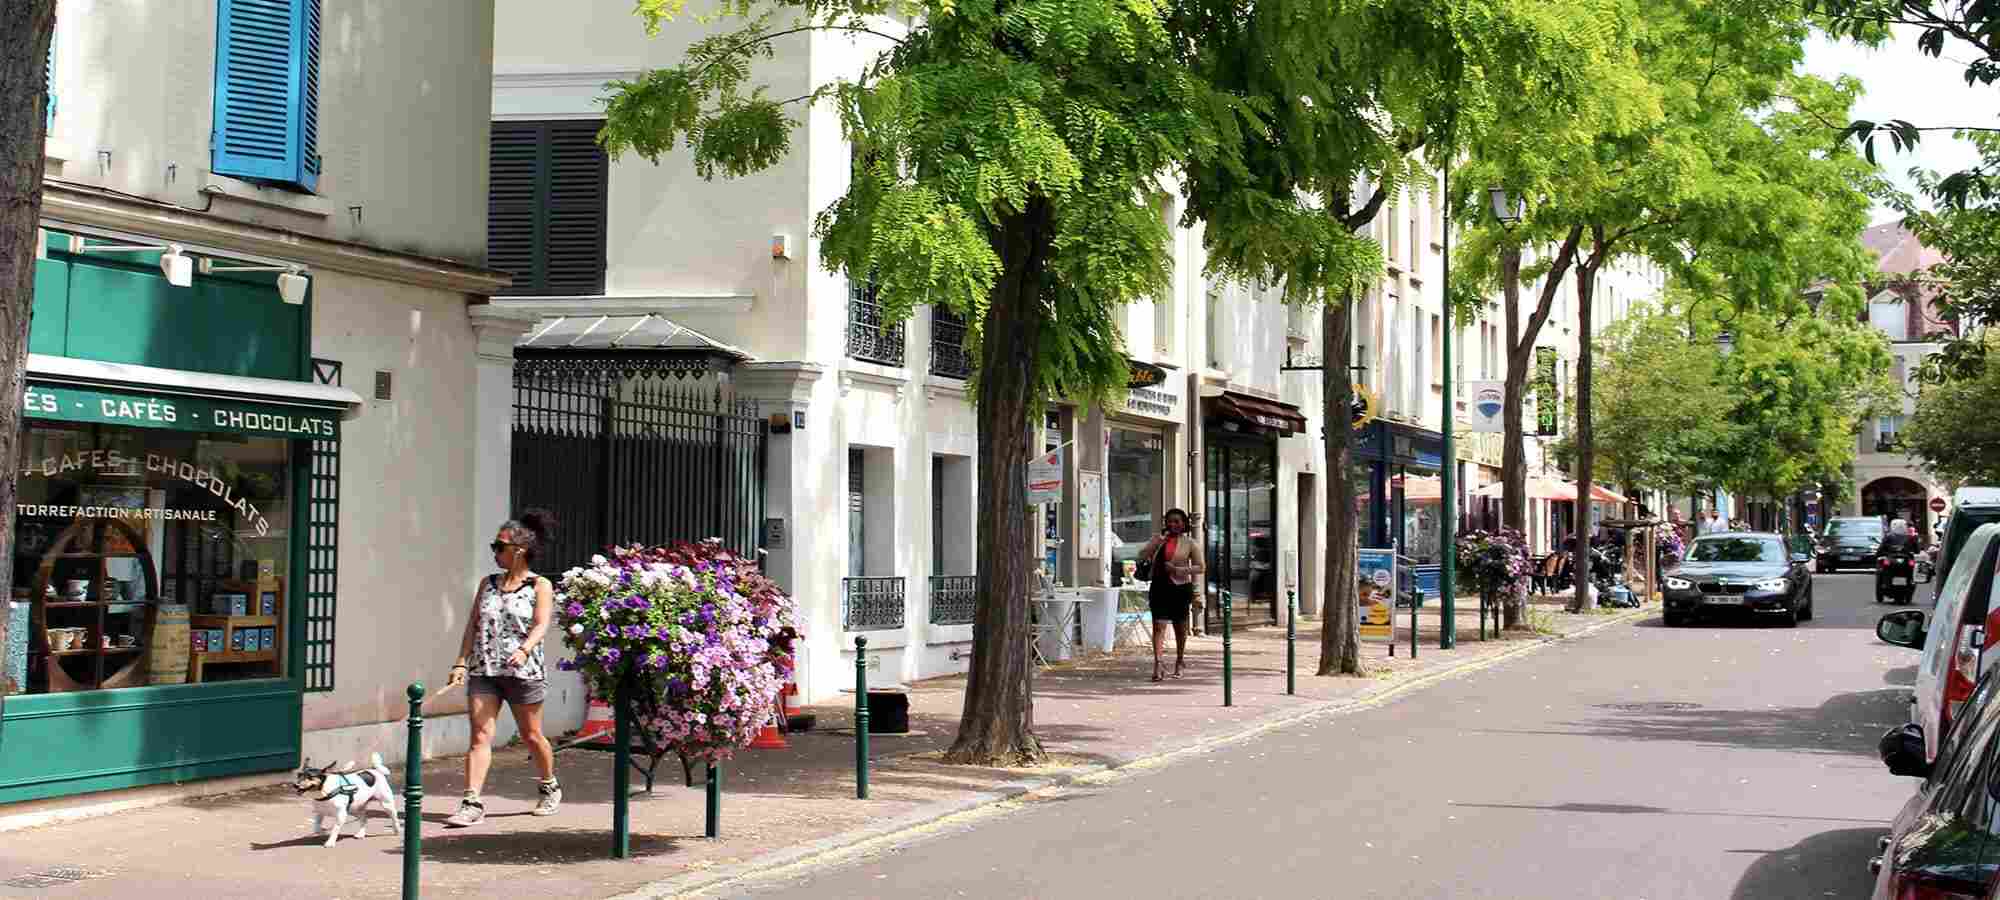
[
  {"x": 869, "y": 336},
  {"x": 948, "y": 354},
  {"x": 872, "y": 603},
  {"x": 952, "y": 599}
]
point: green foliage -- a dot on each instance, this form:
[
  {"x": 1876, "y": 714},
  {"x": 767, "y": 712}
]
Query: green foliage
[
  {"x": 1966, "y": 284},
  {"x": 1956, "y": 430},
  {"x": 1661, "y": 411}
]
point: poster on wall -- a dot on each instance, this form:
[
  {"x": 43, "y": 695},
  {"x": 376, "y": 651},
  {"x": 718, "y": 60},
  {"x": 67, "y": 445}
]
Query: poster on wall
[
  {"x": 1488, "y": 407},
  {"x": 1090, "y": 514},
  {"x": 1376, "y": 589}
]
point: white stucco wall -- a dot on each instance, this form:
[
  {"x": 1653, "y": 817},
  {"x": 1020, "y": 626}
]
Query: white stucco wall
[{"x": 402, "y": 118}]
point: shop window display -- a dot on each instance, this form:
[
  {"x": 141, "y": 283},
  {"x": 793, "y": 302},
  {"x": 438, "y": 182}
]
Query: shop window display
[
  {"x": 147, "y": 556},
  {"x": 1137, "y": 485}
]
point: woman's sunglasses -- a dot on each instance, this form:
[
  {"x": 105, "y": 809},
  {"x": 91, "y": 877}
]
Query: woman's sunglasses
[{"x": 500, "y": 545}]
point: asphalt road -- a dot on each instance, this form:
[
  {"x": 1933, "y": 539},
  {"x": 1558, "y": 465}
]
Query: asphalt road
[{"x": 1719, "y": 761}]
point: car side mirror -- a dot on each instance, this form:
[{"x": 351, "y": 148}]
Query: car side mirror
[
  {"x": 1902, "y": 750},
  {"x": 1904, "y": 628}
]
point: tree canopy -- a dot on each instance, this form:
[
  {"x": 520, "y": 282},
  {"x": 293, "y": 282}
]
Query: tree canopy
[{"x": 1954, "y": 429}]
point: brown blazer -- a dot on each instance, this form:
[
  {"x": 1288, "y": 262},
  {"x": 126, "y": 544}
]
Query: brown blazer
[{"x": 1186, "y": 550}]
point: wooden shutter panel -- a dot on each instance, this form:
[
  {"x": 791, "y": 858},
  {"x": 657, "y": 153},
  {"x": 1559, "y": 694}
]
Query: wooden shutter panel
[
  {"x": 546, "y": 206},
  {"x": 267, "y": 92},
  {"x": 512, "y": 198},
  {"x": 574, "y": 233}
]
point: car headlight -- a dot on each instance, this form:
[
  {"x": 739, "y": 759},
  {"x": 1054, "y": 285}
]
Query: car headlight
[
  {"x": 1771, "y": 584},
  {"x": 1678, "y": 584}
]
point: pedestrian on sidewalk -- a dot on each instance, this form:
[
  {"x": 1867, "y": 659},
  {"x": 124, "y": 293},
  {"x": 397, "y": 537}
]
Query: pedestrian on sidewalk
[
  {"x": 500, "y": 660},
  {"x": 1176, "y": 569}
]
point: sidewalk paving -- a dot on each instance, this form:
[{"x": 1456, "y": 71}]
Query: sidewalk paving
[{"x": 1090, "y": 713}]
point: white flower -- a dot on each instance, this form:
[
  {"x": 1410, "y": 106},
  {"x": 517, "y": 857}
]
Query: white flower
[
  {"x": 598, "y": 559},
  {"x": 576, "y": 629}
]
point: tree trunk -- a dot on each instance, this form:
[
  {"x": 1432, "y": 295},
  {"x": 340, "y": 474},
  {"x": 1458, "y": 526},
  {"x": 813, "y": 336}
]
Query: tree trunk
[
  {"x": 26, "y": 27},
  {"x": 1340, "y": 628},
  {"x": 997, "y": 726},
  {"x": 1586, "y": 291}
]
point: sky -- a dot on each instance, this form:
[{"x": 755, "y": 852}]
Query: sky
[{"x": 1901, "y": 83}]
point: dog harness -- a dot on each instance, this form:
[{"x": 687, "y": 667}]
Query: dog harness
[{"x": 343, "y": 785}]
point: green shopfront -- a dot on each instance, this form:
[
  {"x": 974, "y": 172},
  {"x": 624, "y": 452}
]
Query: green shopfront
[{"x": 174, "y": 546}]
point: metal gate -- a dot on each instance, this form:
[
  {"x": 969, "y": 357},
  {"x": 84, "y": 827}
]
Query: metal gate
[{"x": 626, "y": 453}]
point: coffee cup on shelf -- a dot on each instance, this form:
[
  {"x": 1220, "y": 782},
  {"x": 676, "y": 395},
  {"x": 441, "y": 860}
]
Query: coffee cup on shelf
[{"x": 76, "y": 587}]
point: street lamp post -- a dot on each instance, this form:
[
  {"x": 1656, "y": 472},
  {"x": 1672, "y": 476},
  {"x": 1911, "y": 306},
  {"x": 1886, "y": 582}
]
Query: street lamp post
[{"x": 1447, "y": 485}]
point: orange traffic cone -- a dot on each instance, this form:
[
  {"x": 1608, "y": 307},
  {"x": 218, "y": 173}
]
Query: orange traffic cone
[
  {"x": 771, "y": 738},
  {"x": 597, "y": 722}
]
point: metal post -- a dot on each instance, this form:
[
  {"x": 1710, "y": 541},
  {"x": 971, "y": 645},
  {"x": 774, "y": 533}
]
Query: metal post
[
  {"x": 1414, "y": 603},
  {"x": 413, "y": 795},
  {"x": 1448, "y": 572},
  {"x": 621, "y": 771},
  {"x": 1291, "y": 641},
  {"x": 714, "y": 829},
  {"x": 861, "y": 718},
  {"x": 1228, "y": 663}
]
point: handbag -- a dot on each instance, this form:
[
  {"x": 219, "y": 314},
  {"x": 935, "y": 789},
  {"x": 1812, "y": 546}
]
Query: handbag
[{"x": 1143, "y": 570}]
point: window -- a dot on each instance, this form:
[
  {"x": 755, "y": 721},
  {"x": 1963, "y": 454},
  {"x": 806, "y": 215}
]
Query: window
[
  {"x": 1416, "y": 229},
  {"x": 267, "y": 92},
  {"x": 1889, "y": 317},
  {"x": 1218, "y": 356},
  {"x": 1735, "y": 549},
  {"x": 1437, "y": 356},
  {"x": 1886, "y": 428},
  {"x": 151, "y": 556},
  {"x": 1136, "y": 467},
  {"x": 545, "y": 207},
  {"x": 949, "y": 356},
  {"x": 1390, "y": 230}
]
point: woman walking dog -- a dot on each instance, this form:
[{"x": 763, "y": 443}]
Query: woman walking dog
[
  {"x": 500, "y": 660},
  {"x": 1173, "y": 559}
]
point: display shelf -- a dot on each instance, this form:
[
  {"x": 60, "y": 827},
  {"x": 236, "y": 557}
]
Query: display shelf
[
  {"x": 215, "y": 621},
  {"x": 87, "y": 651},
  {"x": 210, "y": 657}
]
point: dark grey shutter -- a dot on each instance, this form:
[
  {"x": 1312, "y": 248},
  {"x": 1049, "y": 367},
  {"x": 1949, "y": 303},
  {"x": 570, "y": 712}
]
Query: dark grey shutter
[{"x": 546, "y": 206}]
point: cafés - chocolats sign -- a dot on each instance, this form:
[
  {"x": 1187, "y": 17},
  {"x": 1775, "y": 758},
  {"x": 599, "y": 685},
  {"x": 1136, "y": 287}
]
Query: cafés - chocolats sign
[{"x": 179, "y": 413}]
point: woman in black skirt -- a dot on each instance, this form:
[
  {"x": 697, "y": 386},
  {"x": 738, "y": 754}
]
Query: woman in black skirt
[{"x": 1177, "y": 568}]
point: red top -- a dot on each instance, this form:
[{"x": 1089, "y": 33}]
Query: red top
[{"x": 1167, "y": 553}]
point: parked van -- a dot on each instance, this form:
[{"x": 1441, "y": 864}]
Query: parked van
[
  {"x": 1962, "y": 626},
  {"x": 1971, "y": 507}
]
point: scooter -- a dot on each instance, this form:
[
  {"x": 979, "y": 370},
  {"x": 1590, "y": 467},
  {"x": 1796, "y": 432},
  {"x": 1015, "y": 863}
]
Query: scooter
[{"x": 1895, "y": 576}]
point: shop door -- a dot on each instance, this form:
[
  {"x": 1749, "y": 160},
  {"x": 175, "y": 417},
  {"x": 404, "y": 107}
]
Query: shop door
[{"x": 1240, "y": 529}]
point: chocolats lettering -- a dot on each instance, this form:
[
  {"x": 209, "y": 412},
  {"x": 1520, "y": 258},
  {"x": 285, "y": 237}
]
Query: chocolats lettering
[{"x": 309, "y": 426}]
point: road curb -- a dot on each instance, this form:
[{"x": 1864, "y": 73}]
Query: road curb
[{"x": 890, "y": 832}]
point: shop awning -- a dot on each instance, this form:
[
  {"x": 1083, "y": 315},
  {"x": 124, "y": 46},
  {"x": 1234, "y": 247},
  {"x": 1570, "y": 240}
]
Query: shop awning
[
  {"x": 1553, "y": 489},
  {"x": 86, "y": 390},
  {"x": 1256, "y": 412}
]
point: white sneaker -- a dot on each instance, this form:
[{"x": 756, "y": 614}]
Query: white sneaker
[
  {"x": 551, "y": 799},
  {"x": 470, "y": 812}
]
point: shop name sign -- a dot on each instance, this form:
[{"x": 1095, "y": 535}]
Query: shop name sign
[
  {"x": 179, "y": 413},
  {"x": 1145, "y": 375},
  {"x": 123, "y": 464}
]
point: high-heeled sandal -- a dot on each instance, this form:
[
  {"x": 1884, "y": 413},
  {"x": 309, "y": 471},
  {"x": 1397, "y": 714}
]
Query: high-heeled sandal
[
  {"x": 1177, "y": 670},
  {"x": 1157, "y": 669}
]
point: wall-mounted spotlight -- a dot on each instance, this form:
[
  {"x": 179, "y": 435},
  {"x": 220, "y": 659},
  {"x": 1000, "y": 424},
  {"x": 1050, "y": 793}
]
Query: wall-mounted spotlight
[
  {"x": 177, "y": 266},
  {"x": 292, "y": 281}
]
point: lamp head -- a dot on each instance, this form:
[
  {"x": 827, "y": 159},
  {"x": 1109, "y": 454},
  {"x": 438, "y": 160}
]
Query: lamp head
[
  {"x": 1508, "y": 211},
  {"x": 292, "y": 287},
  {"x": 1725, "y": 343},
  {"x": 177, "y": 266}
]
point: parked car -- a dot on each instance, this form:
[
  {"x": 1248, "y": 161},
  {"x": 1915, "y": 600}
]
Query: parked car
[
  {"x": 1741, "y": 573},
  {"x": 1971, "y": 507},
  {"x": 1851, "y": 542},
  {"x": 1942, "y": 845},
  {"x": 1951, "y": 637}
]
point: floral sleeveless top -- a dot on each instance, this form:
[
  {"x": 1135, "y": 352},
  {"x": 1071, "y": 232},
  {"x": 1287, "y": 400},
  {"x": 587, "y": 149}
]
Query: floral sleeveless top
[{"x": 504, "y": 620}]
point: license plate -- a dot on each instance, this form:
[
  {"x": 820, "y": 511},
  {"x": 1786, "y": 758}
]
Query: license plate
[
  {"x": 1723, "y": 599},
  {"x": 1899, "y": 582},
  {"x": 1850, "y": 556}
]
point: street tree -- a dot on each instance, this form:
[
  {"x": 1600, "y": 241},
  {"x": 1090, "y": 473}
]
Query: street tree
[
  {"x": 26, "y": 27},
  {"x": 1955, "y": 430},
  {"x": 1002, "y": 156},
  {"x": 1723, "y": 182},
  {"x": 1660, "y": 409},
  {"x": 1355, "y": 111}
]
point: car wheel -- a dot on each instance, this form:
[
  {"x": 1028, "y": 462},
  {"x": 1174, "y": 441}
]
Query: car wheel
[
  {"x": 1806, "y": 612},
  {"x": 1671, "y": 620}
]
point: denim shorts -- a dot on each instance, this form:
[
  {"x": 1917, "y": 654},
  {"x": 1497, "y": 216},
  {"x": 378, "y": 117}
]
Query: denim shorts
[{"x": 516, "y": 691}]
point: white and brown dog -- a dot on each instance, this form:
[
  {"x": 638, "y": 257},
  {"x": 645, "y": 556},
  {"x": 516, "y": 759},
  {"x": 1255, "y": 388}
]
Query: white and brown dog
[{"x": 346, "y": 793}]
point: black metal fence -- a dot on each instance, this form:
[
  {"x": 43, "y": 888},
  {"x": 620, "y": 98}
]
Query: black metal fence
[
  {"x": 870, "y": 336},
  {"x": 623, "y": 456},
  {"x": 953, "y": 598},
  {"x": 872, "y": 603}
]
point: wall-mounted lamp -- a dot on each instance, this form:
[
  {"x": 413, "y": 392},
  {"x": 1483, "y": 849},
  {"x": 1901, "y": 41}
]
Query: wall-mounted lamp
[
  {"x": 292, "y": 281},
  {"x": 177, "y": 266}
]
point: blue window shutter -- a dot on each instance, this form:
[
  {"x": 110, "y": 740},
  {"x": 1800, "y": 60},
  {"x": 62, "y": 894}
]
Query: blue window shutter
[{"x": 267, "y": 91}]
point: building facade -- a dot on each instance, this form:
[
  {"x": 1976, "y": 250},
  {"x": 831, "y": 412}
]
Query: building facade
[
  {"x": 256, "y": 485},
  {"x": 1887, "y": 480}
]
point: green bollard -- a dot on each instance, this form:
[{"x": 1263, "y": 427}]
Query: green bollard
[
  {"x": 1291, "y": 642},
  {"x": 621, "y": 774},
  {"x": 861, "y": 718},
  {"x": 1414, "y": 603},
  {"x": 413, "y": 795},
  {"x": 1228, "y": 664},
  {"x": 714, "y": 829}
]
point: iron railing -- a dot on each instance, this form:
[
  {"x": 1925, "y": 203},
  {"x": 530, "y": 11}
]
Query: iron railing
[
  {"x": 952, "y": 599},
  {"x": 870, "y": 337},
  {"x": 872, "y": 603},
  {"x": 624, "y": 458},
  {"x": 948, "y": 354}
]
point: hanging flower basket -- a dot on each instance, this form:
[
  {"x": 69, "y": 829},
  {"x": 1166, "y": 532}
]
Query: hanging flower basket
[
  {"x": 1495, "y": 564},
  {"x": 702, "y": 638}
]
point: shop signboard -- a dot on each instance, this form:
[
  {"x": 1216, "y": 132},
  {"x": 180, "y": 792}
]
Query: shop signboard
[
  {"x": 1145, "y": 375},
  {"x": 1376, "y": 591},
  {"x": 1045, "y": 477},
  {"x": 1487, "y": 407},
  {"x": 1155, "y": 396},
  {"x": 1547, "y": 403},
  {"x": 181, "y": 413}
]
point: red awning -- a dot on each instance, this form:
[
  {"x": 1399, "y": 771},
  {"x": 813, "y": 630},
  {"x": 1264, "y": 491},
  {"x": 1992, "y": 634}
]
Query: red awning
[{"x": 1257, "y": 412}]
